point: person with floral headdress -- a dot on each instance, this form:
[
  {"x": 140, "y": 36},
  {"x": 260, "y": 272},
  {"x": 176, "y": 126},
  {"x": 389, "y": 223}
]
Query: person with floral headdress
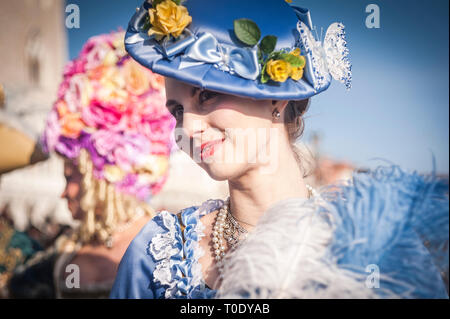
[
  {"x": 112, "y": 129},
  {"x": 239, "y": 78}
]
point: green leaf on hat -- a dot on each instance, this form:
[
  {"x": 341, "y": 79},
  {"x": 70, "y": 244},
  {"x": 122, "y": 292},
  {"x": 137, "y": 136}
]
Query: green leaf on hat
[
  {"x": 156, "y": 2},
  {"x": 295, "y": 61},
  {"x": 247, "y": 31},
  {"x": 260, "y": 57},
  {"x": 264, "y": 76},
  {"x": 146, "y": 25},
  {"x": 268, "y": 44},
  {"x": 277, "y": 55}
]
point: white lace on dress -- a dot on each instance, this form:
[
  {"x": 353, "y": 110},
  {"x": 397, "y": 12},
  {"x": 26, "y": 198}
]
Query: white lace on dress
[
  {"x": 178, "y": 267},
  {"x": 163, "y": 247}
]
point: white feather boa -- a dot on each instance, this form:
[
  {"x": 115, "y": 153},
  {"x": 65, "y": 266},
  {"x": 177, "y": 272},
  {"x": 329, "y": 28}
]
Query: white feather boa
[
  {"x": 293, "y": 234},
  {"x": 320, "y": 248}
]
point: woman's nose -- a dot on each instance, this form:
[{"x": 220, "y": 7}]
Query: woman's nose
[{"x": 193, "y": 125}]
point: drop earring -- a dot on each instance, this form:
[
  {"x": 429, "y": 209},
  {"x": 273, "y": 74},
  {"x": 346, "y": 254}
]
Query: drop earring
[{"x": 276, "y": 114}]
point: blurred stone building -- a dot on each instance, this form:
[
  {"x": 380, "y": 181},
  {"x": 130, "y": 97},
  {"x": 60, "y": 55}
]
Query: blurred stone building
[
  {"x": 34, "y": 45},
  {"x": 33, "y": 54}
]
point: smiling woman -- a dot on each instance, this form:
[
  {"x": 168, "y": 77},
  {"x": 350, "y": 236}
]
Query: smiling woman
[{"x": 239, "y": 102}]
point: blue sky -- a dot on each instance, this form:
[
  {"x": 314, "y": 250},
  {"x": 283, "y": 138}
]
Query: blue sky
[{"x": 398, "y": 106}]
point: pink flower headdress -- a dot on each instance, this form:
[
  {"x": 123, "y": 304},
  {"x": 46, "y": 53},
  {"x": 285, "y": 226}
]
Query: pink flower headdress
[{"x": 113, "y": 108}]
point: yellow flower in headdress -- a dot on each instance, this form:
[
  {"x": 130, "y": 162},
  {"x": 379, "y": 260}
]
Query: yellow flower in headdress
[
  {"x": 297, "y": 72},
  {"x": 135, "y": 78},
  {"x": 152, "y": 167},
  {"x": 119, "y": 44},
  {"x": 278, "y": 70},
  {"x": 168, "y": 19},
  {"x": 112, "y": 88},
  {"x": 110, "y": 59}
]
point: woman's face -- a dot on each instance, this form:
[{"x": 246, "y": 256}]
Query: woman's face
[
  {"x": 72, "y": 192},
  {"x": 225, "y": 134}
]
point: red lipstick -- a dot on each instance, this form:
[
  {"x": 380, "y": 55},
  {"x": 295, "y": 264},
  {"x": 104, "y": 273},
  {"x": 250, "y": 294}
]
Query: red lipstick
[{"x": 207, "y": 149}]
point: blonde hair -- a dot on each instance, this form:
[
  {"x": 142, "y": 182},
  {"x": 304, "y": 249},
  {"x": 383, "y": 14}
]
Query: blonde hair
[{"x": 104, "y": 206}]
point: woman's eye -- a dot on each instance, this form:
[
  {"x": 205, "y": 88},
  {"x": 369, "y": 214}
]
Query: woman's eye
[
  {"x": 206, "y": 95},
  {"x": 177, "y": 112}
]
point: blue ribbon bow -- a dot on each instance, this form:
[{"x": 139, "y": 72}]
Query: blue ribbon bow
[
  {"x": 201, "y": 50},
  {"x": 206, "y": 49}
]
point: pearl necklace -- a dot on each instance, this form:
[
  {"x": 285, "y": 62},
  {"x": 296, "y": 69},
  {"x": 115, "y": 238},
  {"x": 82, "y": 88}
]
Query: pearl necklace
[{"x": 228, "y": 228}]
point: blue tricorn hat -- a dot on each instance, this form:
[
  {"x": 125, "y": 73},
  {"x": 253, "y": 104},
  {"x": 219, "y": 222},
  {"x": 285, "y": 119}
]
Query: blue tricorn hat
[{"x": 250, "y": 48}]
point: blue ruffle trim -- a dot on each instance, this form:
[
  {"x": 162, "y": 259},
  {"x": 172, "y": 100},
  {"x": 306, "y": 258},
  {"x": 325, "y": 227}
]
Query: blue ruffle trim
[
  {"x": 193, "y": 285},
  {"x": 185, "y": 270}
]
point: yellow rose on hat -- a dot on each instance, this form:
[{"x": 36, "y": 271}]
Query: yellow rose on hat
[
  {"x": 278, "y": 70},
  {"x": 168, "y": 18},
  {"x": 296, "y": 74},
  {"x": 296, "y": 52}
]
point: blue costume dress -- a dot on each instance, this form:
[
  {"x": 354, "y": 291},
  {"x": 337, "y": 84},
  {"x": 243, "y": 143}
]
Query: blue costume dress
[
  {"x": 162, "y": 261},
  {"x": 388, "y": 217}
]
